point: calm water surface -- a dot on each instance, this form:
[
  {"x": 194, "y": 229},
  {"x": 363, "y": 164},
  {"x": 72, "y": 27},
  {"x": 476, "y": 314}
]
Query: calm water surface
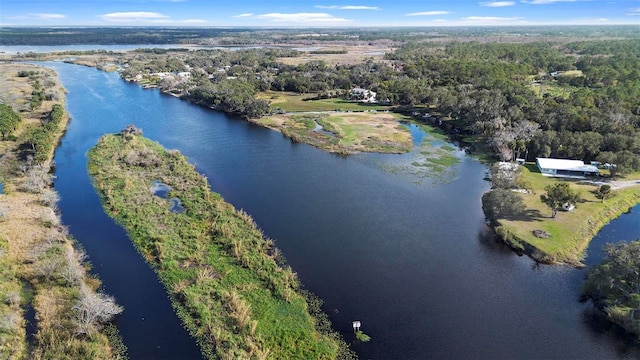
[{"x": 410, "y": 258}]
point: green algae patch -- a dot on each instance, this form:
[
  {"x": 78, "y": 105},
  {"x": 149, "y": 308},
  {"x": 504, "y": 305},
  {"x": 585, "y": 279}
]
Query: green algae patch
[{"x": 225, "y": 279}]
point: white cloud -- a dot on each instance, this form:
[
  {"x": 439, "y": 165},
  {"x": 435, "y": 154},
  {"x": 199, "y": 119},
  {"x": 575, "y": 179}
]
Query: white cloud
[
  {"x": 428, "y": 13},
  {"x": 48, "y": 16},
  {"x": 491, "y": 20},
  {"x": 347, "y": 7},
  {"x": 136, "y": 17},
  {"x": 39, "y": 16},
  {"x": 243, "y": 15},
  {"x": 634, "y": 12},
  {"x": 498, "y": 3},
  {"x": 132, "y": 16},
  {"x": 546, "y": 2},
  {"x": 303, "y": 18}
]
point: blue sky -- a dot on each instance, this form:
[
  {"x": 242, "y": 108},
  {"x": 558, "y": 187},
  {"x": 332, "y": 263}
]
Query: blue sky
[{"x": 317, "y": 13}]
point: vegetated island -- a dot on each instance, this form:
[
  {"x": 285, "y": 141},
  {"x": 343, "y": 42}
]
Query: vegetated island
[
  {"x": 227, "y": 282},
  {"x": 516, "y": 209},
  {"x": 50, "y": 307}
]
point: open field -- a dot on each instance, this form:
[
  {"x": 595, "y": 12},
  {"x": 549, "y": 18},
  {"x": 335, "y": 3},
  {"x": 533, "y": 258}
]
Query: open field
[
  {"x": 355, "y": 54},
  {"x": 551, "y": 86},
  {"x": 344, "y": 132},
  {"x": 293, "y": 102},
  {"x": 572, "y": 231}
]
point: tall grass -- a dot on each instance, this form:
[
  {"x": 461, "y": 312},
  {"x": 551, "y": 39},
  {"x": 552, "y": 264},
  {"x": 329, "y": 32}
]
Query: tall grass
[
  {"x": 40, "y": 269},
  {"x": 221, "y": 272}
]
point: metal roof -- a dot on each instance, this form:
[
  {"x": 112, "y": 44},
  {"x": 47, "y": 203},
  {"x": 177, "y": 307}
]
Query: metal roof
[{"x": 565, "y": 164}]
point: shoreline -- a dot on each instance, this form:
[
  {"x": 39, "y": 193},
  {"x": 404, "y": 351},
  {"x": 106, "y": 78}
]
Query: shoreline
[
  {"x": 225, "y": 280},
  {"x": 43, "y": 269},
  {"x": 506, "y": 234},
  {"x": 581, "y": 240}
]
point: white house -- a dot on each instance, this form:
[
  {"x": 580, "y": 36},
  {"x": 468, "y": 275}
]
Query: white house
[
  {"x": 565, "y": 168},
  {"x": 363, "y": 95}
]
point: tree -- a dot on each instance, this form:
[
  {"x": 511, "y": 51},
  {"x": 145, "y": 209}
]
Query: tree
[
  {"x": 9, "y": 120},
  {"x": 92, "y": 310},
  {"x": 614, "y": 285},
  {"x": 41, "y": 143},
  {"x": 557, "y": 195},
  {"x": 502, "y": 202},
  {"x": 604, "y": 192}
]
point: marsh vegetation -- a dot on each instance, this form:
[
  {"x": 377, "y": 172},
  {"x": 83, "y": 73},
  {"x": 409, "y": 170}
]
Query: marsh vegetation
[
  {"x": 228, "y": 283},
  {"x": 50, "y": 305}
]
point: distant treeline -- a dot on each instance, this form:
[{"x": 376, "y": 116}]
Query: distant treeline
[
  {"x": 249, "y": 36},
  {"x": 574, "y": 100},
  {"x": 106, "y": 36}
]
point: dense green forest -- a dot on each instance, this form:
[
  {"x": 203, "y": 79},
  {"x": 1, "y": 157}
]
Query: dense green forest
[{"x": 577, "y": 99}]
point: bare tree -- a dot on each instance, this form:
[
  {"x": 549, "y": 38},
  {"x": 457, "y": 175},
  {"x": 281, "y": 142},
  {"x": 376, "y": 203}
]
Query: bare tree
[
  {"x": 38, "y": 178},
  {"x": 94, "y": 309},
  {"x": 50, "y": 198}
]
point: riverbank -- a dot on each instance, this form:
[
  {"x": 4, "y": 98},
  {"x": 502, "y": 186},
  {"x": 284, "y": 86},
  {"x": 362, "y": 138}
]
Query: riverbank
[
  {"x": 46, "y": 294},
  {"x": 226, "y": 281},
  {"x": 570, "y": 233}
]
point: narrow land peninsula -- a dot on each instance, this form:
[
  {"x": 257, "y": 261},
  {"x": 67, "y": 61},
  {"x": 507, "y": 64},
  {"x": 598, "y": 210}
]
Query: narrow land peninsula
[
  {"x": 227, "y": 282},
  {"x": 49, "y": 304},
  {"x": 563, "y": 239}
]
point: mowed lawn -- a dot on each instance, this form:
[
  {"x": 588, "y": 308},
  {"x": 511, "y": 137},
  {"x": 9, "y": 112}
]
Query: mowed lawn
[
  {"x": 294, "y": 102},
  {"x": 570, "y": 231}
]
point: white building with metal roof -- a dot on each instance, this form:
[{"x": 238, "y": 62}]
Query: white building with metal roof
[{"x": 565, "y": 168}]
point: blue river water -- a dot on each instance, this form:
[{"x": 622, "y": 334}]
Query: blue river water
[{"x": 408, "y": 256}]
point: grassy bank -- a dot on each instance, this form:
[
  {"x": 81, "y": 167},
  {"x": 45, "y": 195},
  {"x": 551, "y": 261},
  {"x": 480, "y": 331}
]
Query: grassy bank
[
  {"x": 570, "y": 232},
  {"x": 43, "y": 277},
  {"x": 343, "y": 133},
  {"x": 224, "y": 277},
  {"x": 294, "y": 102}
]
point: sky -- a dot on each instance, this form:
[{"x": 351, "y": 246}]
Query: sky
[{"x": 317, "y": 13}]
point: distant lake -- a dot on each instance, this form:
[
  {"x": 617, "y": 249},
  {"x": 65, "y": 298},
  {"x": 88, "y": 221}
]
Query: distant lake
[
  {"x": 57, "y": 48},
  {"x": 12, "y": 50},
  {"x": 408, "y": 256}
]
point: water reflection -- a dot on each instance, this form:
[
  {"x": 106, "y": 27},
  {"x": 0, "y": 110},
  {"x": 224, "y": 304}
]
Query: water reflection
[{"x": 162, "y": 190}]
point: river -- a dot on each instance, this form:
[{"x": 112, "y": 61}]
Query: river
[{"x": 409, "y": 257}]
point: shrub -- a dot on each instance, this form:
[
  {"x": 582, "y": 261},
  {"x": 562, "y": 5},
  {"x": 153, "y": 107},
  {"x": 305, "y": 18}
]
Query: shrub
[
  {"x": 92, "y": 310},
  {"x": 50, "y": 198},
  {"x": 38, "y": 178},
  {"x": 12, "y": 298},
  {"x": 9, "y": 322}
]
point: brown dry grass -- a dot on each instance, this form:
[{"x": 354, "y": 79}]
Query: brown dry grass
[
  {"x": 355, "y": 54},
  {"x": 29, "y": 231}
]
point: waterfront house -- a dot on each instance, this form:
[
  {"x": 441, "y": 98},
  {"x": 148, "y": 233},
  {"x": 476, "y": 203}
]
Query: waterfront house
[
  {"x": 363, "y": 95},
  {"x": 565, "y": 168}
]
